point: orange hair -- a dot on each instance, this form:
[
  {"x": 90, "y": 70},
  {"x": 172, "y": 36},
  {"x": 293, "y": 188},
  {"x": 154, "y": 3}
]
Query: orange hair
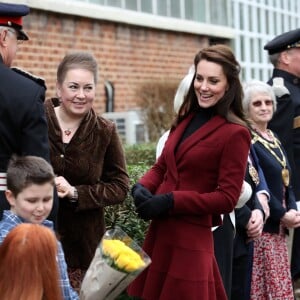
[{"x": 28, "y": 265}]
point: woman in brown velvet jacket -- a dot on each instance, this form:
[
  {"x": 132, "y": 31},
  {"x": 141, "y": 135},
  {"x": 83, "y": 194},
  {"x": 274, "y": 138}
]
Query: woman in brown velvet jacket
[{"x": 88, "y": 159}]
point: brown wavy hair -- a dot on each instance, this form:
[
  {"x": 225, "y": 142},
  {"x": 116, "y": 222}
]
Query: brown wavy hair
[
  {"x": 77, "y": 60},
  {"x": 28, "y": 266},
  {"x": 230, "y": 106}
]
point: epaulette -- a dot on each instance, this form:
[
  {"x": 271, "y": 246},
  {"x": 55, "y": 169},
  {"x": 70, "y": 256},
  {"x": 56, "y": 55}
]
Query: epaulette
[
  {"x": 36, "y": 79},
  {"x": 279, "y": 88}
]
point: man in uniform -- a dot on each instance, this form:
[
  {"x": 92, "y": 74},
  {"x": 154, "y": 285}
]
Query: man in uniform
[
  {"x": 23, "y": 127},
  {"x": 284, "y": 54}
]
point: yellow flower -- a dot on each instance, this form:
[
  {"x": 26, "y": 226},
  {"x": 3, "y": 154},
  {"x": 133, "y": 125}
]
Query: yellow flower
[
  {"x": 112, "y": 248},
  {"x": 124, "y": 257},
  {"x": 128, "y": 263}
]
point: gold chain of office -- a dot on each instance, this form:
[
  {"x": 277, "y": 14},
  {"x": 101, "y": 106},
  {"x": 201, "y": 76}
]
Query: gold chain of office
[{"x": 284, "y": 172}]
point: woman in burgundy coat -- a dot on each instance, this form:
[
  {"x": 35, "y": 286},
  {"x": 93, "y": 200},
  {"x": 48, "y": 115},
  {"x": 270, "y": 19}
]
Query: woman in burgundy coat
[{"x": 197, "y": 178}]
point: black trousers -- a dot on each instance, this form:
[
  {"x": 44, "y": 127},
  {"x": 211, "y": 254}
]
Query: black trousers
[
  {"x": 295, "y": 261},
  {"x": 223, "y": 246},
  {"x": 242, "y": 271}
]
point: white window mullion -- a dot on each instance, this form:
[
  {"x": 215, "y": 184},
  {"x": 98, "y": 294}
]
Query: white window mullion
[
  {"x": 262, "y": 20},
  {"x": 236, "y": 24},
  {"x": 182, "y": 9},
  {"x": 297, "y": 14},
  {"x": 123, "y": 4},
  {"x": 271, "y": 17},
  {"x": 256, "y": 44},
  {"x": 207, "y": 12},
  {"x": 278, "y": 23},
  {"x": 286, "y": 19},
  {"x": 139, "y": 6},
  {"x": 229, "y": 20},
  {"x": 169, "y": 8},
  {"x": 247, "y": 46},
  {"x": 294, "y": 12},
  {"x": 154, "y": 6}
]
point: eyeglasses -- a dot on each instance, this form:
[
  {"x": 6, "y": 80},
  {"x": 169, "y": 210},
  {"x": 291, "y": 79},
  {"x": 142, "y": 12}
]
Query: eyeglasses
[
  {"x": 18, "y": 38},
  {"x": 259, "y": 103}
]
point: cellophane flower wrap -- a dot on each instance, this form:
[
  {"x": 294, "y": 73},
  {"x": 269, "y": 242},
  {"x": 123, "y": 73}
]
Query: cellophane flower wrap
[{"x": 117, "y": 262}]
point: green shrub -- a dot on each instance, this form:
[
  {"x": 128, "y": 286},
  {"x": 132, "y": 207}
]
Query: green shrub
[
  {"x": 124, "y": 215},
  {"x": 140, "y": 154},
  {"x": 139, "y": 160}
]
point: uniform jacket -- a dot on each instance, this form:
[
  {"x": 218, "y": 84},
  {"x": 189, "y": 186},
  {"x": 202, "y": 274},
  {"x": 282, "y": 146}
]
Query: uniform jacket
[
  {"x": 205, "y": 175},
  {"x": 23, "y": 127},
  {"x": 94, "y": 163},
  {"x": 286, "y": 123}
]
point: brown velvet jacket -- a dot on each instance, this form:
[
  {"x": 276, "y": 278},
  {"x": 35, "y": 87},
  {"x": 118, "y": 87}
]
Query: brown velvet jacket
[{"x": 94, "y": 163}]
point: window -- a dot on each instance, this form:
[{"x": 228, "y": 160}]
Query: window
[
  {"x": 256, "y": 23},
  {"x": 146, "y": 6},
  {"x": 207, "y": 11},
  {"x": 116, "y": 3},
  {"x": 131, "y": 4},
  {"x": 162, "y": 8},
  {"x": 175, "y": 9},
  {"x": 218, "y": 12}
]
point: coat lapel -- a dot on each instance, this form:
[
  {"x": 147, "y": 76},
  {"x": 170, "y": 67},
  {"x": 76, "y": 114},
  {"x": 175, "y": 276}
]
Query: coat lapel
[
  {"x": 200, "y": 134},
  {"x": 171, "y": 157},
  {"x": 172, "y": 141}
]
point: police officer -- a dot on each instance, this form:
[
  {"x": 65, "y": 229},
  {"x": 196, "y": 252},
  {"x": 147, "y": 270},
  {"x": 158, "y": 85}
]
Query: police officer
[
  {"x": 23, "y": 127},
  {"x": 284, "y": 54}
]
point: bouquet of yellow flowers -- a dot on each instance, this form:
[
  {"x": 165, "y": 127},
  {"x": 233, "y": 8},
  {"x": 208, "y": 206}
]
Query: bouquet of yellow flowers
[{"x": 117, "y": 262}]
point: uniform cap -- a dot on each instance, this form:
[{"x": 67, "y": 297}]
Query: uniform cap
[
  {"x": 284, "y": 41},
  {"x": 11, "y": 16}
]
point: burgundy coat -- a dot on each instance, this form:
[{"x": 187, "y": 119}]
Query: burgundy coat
[
  {"x": 94, "y": 163},
  {"x": 205, "y": 176}
]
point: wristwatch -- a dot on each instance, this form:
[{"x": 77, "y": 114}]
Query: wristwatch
[{"x": 74, "y": 198}]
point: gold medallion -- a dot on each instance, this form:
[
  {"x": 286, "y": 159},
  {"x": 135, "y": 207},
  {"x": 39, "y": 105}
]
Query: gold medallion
[
  {"x": 285, "y": 176},
  {"x": 254, "y": 175},
  {"x": 282, "y": 160}
]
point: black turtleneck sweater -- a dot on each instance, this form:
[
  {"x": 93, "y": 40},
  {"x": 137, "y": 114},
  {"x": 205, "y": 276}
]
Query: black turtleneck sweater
[{"x": 202, "y": 116}]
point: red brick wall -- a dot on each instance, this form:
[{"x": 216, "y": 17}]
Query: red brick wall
[{"x": 127, "y": 55}]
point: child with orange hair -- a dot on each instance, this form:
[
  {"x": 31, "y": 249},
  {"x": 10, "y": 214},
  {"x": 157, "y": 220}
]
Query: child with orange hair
[
  {"x": 30, "y": 184},
  {"x": 28, "y": 267}
]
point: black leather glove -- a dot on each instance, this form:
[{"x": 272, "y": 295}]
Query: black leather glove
[
  {"x": 140, "y": 194},
  {"x": 155, "y": 207}
]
